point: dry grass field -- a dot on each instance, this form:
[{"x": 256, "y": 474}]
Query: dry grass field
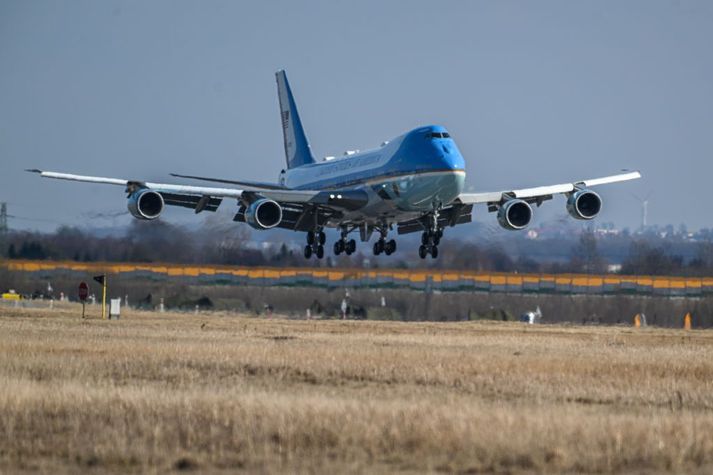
[{"x": 219, "y": 393}]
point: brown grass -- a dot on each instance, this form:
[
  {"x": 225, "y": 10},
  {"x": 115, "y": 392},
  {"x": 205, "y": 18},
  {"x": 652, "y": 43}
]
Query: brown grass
[{"x": 160, "y": 392}]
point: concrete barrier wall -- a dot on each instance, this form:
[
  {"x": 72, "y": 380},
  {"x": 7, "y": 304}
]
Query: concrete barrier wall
[{"x": 444, "y": 280}]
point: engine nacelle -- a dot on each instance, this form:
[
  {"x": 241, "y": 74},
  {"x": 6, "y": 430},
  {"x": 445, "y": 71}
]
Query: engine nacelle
[
  {"x": 584, "y": 204},
  {"x": 514, "y": 214},
  {"x": 145, "y": 204},
  {"x": 263, "y": 214}
]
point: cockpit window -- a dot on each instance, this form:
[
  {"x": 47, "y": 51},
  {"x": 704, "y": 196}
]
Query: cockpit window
[{"x": 438, "y": 135}]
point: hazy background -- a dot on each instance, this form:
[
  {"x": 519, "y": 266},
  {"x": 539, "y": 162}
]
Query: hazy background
[{"x": 533, "y": 92}]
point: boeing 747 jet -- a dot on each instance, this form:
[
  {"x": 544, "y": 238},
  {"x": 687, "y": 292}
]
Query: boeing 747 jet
[{"x": 412, "y": 183}]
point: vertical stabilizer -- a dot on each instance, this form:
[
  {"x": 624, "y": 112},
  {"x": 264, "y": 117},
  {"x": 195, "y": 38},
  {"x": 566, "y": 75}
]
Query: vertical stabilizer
[{"x": 297, "y": 151}]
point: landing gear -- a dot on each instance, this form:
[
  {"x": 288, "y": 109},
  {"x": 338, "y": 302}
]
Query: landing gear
[
  {"x": 382, "y": 245},
  {"x": 387, "y": 247},
  {"x": 347, "y": 246},
  {"x": 429, "y": 244},
  {"x": 316, "y": 238},
  {"x": 315, "y": 244},
  {"x": 431, "y": 238}
]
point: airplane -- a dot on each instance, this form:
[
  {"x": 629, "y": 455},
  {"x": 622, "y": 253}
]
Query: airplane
[{"x": 413, "y": 183}]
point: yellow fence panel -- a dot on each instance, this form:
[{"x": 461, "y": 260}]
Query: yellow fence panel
[{"x": 399, "y": 277}]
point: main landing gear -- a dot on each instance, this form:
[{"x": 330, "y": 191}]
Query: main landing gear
[
  {"x": 315, "y": 244},
  {"x": 347, "y": 246},
  {"x": 382, "y": 245}
]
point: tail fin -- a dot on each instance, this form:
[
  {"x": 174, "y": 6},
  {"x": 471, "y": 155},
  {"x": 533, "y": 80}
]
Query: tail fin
[{"x": 297, "y": 151}]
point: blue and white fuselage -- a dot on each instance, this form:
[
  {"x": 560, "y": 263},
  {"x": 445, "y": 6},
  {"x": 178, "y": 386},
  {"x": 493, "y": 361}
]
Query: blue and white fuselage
[{"x": 414, "y": 173}]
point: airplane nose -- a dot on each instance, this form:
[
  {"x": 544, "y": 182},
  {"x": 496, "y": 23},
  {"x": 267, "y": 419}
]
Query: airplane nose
[{"x": 451, "y": 159}]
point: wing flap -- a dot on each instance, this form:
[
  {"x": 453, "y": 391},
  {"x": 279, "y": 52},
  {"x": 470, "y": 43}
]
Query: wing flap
[
  {"x": 195, "y": 202},
  {"x": 451, "y": 216}
]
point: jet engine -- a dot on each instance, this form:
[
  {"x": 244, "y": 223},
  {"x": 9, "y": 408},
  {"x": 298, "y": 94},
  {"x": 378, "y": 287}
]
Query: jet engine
[
  {"x": 584, "y": 204},
  {"x": 145, "y": 204},
  {"x": 263, "y": 214},
  {"x": 514, "y": 214}
]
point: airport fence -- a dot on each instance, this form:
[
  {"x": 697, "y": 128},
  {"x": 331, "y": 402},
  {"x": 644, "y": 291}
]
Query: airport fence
[{"x": 418, "y": 279}]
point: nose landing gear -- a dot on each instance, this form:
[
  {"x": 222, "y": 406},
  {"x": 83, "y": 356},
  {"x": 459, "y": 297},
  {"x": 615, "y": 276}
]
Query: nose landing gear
[
  {"x": 431, "y": 238},
  {"x": 429, "y": 243}
]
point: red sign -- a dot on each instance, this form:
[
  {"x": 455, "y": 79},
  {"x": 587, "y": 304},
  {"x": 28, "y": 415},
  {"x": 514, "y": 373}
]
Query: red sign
[{"x": 83, "y": 291}]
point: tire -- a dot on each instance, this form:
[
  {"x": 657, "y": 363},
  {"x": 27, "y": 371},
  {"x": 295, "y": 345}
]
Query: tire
[
  {"x": 392, "y": 246},
  {"x": 422, "y": 251},
  {"x": 436, "y": 240},
  {"x": 424, "y": 239},
  {"x": 320, "y": 251},
  {"x": 322, "y": 238},
  {"x": 308, "y": 251},
  {"x": 351, "y": 246},
  {"x": 310, "y": 237},
  {"x": 377, "y": 248},
  {"x": 337, "y": 248},
  {"x": 434, "y": 252}
]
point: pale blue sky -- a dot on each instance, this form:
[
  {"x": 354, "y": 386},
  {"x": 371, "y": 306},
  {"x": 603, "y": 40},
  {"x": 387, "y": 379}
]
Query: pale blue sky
[{"x": 533, "y": 93}]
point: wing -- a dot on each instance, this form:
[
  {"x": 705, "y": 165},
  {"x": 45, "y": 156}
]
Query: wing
[
  {"x": 251, "y": 184},
  {"x": 299, "y": 205},
  {"x": 586, "y": 204},
  {"x": 542, "y": 193}
]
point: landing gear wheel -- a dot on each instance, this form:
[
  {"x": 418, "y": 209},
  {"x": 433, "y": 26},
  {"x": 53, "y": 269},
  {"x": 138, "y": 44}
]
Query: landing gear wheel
[
  {"x": 322, "y": 238},
  {"x": 310, "y": 237},
  {"x": 378, "y": 247},
  {"x": 351, "y": 246},
  {"x": 437, "y": 239},
  {"x": 390, "y": 247},
  {"x": 424, "y": 239},
  {"x": 320, "y": 251},
  {"x": 434, "y": 252},
  {"x": 422, "y": 252},
  {"x": 338, "y": 247},
  {"x": 308, "y": 251}
]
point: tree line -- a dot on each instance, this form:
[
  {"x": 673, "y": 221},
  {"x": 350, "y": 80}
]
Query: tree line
[{"x": 232, "y": 245}]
